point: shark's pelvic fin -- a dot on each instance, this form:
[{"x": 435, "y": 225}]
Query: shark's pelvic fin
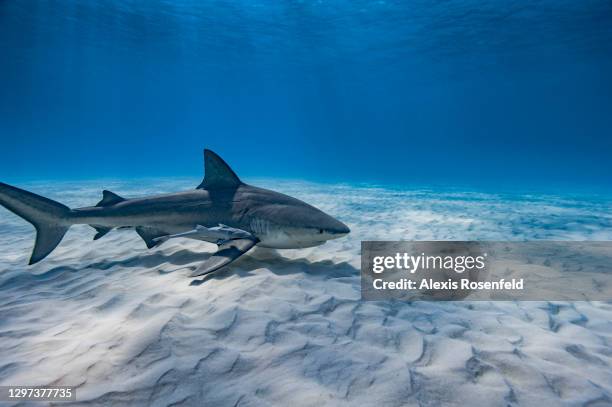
[
  {"x": 217, "y": 174},
  {"x": 149, "y": 235},
  {"x": 102, "y": 230},
  {"x": 109, "y": 199},
  {"x": 227, "y": 253}
]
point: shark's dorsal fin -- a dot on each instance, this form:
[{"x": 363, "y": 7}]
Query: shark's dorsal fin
[
  {"x": 217, "y": 174},
  {"x": 109, "y": 198}
]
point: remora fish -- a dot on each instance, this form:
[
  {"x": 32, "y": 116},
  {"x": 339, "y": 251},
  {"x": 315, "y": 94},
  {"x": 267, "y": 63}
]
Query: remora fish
[
  {"x": 217, "y": 234},
  {"x": 251, "y": 216}
]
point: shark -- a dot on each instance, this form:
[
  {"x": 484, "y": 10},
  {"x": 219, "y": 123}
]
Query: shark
[{"x": 222, "y": 210}]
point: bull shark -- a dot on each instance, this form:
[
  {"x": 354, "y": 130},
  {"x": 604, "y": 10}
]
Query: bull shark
[{"x": 222, "y": 210}]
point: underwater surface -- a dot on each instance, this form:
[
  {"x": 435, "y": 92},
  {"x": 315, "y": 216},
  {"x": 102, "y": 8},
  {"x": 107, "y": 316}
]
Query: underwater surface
[
  {"x": 127, "y": 326},
  {"x": 501, "y": 95}
]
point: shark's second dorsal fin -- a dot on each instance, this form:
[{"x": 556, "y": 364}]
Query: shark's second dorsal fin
[
  {"x": 109, "y": 198},
  {"x": 217, "y": 174}
]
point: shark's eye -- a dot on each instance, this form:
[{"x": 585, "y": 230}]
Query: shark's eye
[{"x": 321, "y": 231}]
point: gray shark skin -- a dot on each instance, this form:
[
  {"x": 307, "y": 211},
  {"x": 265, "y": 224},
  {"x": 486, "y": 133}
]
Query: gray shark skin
[{"x": 257, "y": 216}]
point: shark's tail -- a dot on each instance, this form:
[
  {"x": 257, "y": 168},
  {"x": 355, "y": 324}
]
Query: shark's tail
[{"x": 50, "y": 218}]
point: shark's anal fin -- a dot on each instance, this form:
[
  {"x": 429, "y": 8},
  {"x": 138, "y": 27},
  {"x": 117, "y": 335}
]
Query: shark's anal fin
[
  {"x": 109, "y": 199},
  {"x": 102, "y": 230},
  {"x": 149, "y": 235},
  {"x": 227, "y": 253},
  {"x": 217, "y": 174}
]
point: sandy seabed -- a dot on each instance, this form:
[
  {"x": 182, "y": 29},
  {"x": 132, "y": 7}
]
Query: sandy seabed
[{"x": 128, "y": 327}]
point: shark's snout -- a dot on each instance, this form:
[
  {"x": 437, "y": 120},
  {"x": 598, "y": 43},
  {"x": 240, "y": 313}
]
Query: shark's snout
[
  {"x": 336, "y": 230},
  {"x": 341, "y": 229}
]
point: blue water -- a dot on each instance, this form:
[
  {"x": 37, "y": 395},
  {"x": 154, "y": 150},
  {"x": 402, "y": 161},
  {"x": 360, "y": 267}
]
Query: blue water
[{"x": 513, "y": 94}]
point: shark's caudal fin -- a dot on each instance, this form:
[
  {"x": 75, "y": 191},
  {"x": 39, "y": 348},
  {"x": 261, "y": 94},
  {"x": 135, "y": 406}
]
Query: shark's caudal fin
[
  {"x": 217, "y": 174},
  {"x": 50, "y": 218}
]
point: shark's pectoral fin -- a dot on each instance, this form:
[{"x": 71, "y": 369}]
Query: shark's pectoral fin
[
  {"x": 149, "y": 235},
  {"x": 227, "y": 253},
  {"x": 102, "y": 230}
]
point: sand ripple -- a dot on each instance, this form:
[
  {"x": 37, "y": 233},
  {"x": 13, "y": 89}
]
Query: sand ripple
[{"x": 127, "y": 326}]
